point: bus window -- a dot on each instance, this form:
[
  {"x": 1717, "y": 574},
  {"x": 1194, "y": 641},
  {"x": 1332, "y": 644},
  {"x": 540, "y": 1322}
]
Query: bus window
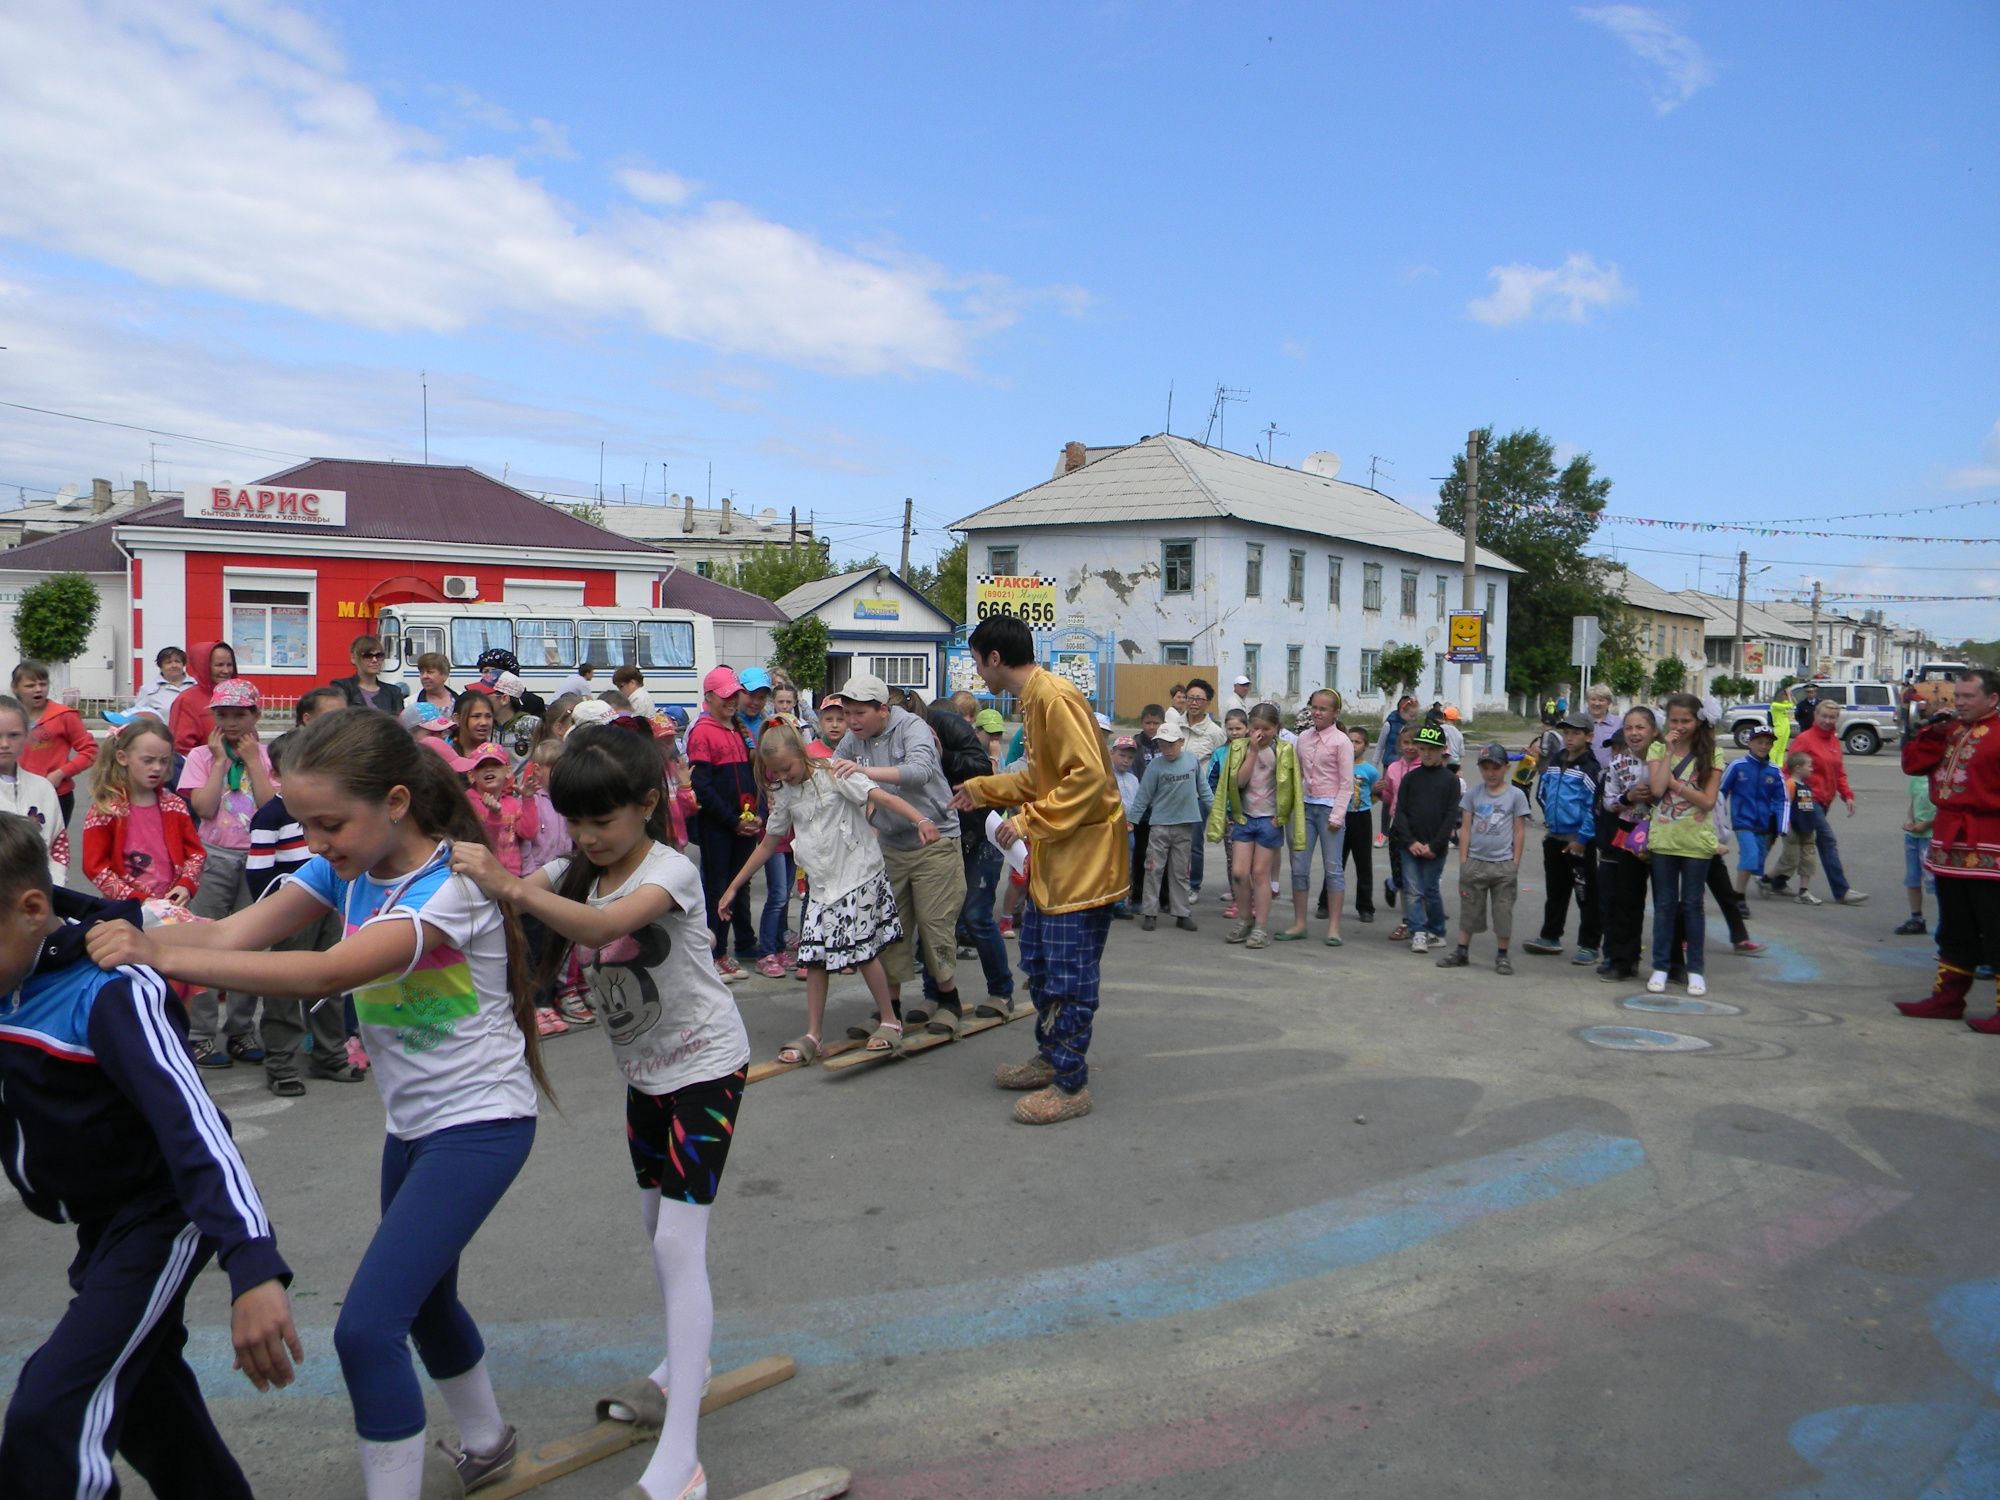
[
  {"x": 390, "y": 630},
  {"x": 421, "y": 640},
  {"x": 471, "y": 637},
  {"x": 608, "y": 643},
  {"x": 545, "y": 643},
  {"x": 666, "y": 645}
]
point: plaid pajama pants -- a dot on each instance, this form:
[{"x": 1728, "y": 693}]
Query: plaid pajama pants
[{"x": 1061, "y": 954}]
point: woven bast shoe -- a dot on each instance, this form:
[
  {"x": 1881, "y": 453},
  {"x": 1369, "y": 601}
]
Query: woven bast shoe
[{"x": 1051, "y": 1106}]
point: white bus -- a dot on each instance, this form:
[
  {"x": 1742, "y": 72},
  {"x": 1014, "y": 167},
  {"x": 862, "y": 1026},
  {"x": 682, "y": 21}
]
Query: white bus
[{"x": 674, "y": 647}]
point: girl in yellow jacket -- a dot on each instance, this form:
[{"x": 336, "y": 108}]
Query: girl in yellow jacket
[{"x": 1264, "y": 812}]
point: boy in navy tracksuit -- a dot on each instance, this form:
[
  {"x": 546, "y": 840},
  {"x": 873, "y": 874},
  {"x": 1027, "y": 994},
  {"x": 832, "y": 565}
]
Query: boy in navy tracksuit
[{"x": 104, "y": 1124}]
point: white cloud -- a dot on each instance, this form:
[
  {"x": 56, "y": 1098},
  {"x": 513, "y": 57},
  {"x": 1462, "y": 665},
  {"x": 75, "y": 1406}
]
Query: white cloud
[
  {"x": 1293, "y": 349},
  {"x": 1980, "y": 476},
  {"x": 1568, "y": 293},
  {"x": 227, "y": 149},
  {"x": 1678, "y": 68}
]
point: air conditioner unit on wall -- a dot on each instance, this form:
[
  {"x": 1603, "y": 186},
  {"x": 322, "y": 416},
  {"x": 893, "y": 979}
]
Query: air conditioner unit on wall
[{"x": 460, "y": 586}]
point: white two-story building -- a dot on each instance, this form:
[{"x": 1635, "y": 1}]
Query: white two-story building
[{"x": 1190, "y": 555}]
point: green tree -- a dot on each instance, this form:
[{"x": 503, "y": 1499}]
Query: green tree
[
  {"x": 1670, "y": 675},
  {"x": 52, "y": 622},
  {"x": 1540, "y": 516},
  {"x": 776, "y": 568},
  {"x": 943, "y": 582},
  {"x": 800, "y": 649},
  {"x": 1787, "y": 683},
  {"x": 1731, "y": 689},
  {"x": 1980, "y": 653},
  {"x": 1400, "y": 669},
  {"x": 1624, "y": 675}
]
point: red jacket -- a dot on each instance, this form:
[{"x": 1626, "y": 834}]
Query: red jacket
[
  {"x": 104, "y": 848},
  {"x": 59, "y": 748},
  {"x": 189, "y": 718},
  {"x": 1963, "y": 761},
  {"x": 1829, "y": 772}
]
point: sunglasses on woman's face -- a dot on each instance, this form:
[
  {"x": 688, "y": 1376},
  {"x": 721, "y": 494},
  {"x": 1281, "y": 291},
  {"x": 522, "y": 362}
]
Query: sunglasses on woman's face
[{"x": 373, "y": 655}]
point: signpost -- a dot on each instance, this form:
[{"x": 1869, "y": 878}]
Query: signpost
[
  {"x": 1586, "y": 635},
  {"x": 1030, "y": 599},
  {"x": 1467, "y": 641}
]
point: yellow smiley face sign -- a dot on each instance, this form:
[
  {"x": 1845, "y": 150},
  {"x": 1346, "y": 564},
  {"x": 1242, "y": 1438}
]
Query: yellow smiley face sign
[{"x": 1467, "y": 640}]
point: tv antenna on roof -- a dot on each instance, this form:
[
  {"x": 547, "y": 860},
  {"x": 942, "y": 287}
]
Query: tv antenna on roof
[
  {"x": 1217, "y": 414},
  {"x": 1377, "y": 463},
  {"x": 1271, "y": 436}
]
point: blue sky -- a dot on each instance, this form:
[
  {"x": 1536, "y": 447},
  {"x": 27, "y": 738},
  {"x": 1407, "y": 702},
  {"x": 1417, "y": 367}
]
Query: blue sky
[{"x": 1743, "y": 255}]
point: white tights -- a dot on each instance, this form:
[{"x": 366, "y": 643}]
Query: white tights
[{"x": 679, "y": 1236}]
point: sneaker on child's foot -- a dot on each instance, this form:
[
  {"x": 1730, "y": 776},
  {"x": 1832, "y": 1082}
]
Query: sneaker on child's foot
[
  {"x": 1148, "y": 922},
  {"x": 726, "y": 967},
  {"x": 207, "y": 1055},
  {"x": 576, "y": 1011},
  {"x": 1807, "y": 898},
  {"x": 548, "y": 1022},
  {"x": 247, "y": 1048},
  {"x": 1186, "y": 924},
  {"x": 1751, "y": 948},
  {"x": 1458, "y": 958},
  {"x": 1656, "y": 982},
  {"x": 1229, "y": 911},
  {"x": 1913, "y": 926},
  {"x": 1585, "y": 956},
  {"x": 1543, "y": 946},
  {"x": 1502, "y": 964},
  {"x": 1852, "y": 898},
  {"x": 772, "y": 966},
  {"x": 1240, "y": 933},
  {"x": 1258, "y": 938},
  {"x": 1420, "y": 942},
  {"x": 356, "y": 1053},
  {"x": 1697, "y": 986}
]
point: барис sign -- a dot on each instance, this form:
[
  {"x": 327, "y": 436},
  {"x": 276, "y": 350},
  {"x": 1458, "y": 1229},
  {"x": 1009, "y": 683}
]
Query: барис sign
[{"x": 283, "y": 504}]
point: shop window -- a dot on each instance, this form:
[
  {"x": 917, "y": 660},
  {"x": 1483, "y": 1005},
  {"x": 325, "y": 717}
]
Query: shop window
[
  {"x": 1177, "y": 653},
  {"x": 901, "y": 671},
  {"x": 666, "y": 645},
  {"x": 1371, "y": 587},
  {"x": 1003, "y": 562},
  {"x": 609, "y": 643},
  {"x": 1253, "y": 570},
  {"x": 271, "y": 629},
  {"x": 1295, "y": 579},
  {"x": 470, "y": 637},
  {"x": 545, "y": 643},
  {"x": 1177, "y": 567}
]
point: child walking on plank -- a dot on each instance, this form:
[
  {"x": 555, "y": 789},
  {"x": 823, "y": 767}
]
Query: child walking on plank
[
  {"x": 104, "y": 1123},
  {"x": 1070, "y": 814},
  {"x": 851, "y": 913},
  {"x": 633, "y": 907},
  {"x": 447, "y": 1017}
]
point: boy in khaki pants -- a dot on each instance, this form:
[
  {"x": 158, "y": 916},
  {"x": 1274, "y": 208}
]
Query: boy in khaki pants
[{"x": 1493, "y": 824}]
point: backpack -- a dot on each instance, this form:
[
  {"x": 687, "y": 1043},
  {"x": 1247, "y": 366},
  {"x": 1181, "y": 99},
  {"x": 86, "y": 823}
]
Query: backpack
[{"x": 1568, "y": 803}]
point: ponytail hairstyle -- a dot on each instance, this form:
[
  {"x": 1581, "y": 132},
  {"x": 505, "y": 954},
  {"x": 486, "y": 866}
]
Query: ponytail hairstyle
[
  {"x": 1702, "y": 743},
  {"x": 110, "y": 782},
  {"x": 1267, "y": 713},
  {"x": 553, "y": 725},
  {"x": 781, "y": 736},
  {"x": 601, "y": 770},
  {"x": 368, "y": 755}
]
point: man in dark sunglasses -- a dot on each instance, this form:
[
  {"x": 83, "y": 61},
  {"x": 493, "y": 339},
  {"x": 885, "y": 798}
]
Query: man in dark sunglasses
[{"x": 365, "y": 689}]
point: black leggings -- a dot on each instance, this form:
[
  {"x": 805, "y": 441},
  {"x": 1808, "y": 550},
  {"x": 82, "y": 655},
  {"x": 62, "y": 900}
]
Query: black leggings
[{"x": 1360, "y": 849}]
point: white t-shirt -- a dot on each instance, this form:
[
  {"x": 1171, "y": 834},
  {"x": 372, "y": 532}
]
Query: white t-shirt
[
  {"x": 35, "y": 799},
  {"x": 831, "y": 835},
  {"x": 441, "y": 1034},
  {"x": 670, "y": 1018}
]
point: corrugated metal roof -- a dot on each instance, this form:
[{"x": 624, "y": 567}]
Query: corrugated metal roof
[
  {"x": 1643, "y": 593},
  {"x": 808, "y": 597},
  {"x": 1757, "y": 621},
  {"x": 683, "y": 588},
  {"x": 87, "y": 549},
  {"x": 1171, "y": 478}
]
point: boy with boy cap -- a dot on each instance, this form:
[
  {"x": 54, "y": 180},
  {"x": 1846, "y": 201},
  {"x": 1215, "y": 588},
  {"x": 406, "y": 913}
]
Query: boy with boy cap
[
  {"x": 1174, "y": 798},
  {"x": 1493, "y": 826}
]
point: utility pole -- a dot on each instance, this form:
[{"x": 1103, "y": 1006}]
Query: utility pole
[
  {"x": 600, "y": 473},
  {"x": 1812, "y": 650},
  {"x": 1742, "y": 582},
  {"x": 908, "y": 506},
  {"x": 1474, "y": 440},
  {"x": 424, "y": 379},
  {"x": 795, "y": 528}
]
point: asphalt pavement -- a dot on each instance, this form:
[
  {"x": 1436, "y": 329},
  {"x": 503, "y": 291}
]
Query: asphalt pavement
[{"x": 1343, "y": 1223}]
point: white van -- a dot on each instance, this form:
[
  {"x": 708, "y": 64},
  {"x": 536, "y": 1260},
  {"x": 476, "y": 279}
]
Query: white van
[{"x": 675, "y": 648}]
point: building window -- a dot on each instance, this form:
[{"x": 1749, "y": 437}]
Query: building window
[
  {"x": 1437, "y": 674},
  {"x": 1333, "y": 667},
  {"x": 1253, "y": 570},
  {"x": 1443, "y": 585},
  {"x": 1177, "y": 567},
  {"x": 1492, "y": 601},
  {"x": 1295, "y": 657},
  {"x": 1369, "y": 660},
  {"x": 704, "y": 569},
  {"x": 1251, "y": 651},
  {"x": 1003, "y": 562},
  {"x": 1409, "y": 599},
  {"x": 1295, "y": 579},
  {"x": 1333, "y": 581},
  {"x": 1489, "y": 677},
  {"x": 902, "y": 671},
  {"x": 272, "y": 628},
  {"x": 1371, "y": 586},
  {"x": 1659, "y": 640},
  {"x": 1177, "y": 653}
]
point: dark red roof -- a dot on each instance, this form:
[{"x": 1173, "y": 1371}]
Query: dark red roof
[
  {"x": 425, "y": 503},
  {"x": 684, "y": 588},
  {"x": 87, "y": 549}
]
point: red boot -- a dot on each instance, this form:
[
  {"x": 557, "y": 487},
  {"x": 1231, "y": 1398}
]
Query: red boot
[
  {"x": 1947, "y": 997},
  {"x": 1990, "y": 1026}
]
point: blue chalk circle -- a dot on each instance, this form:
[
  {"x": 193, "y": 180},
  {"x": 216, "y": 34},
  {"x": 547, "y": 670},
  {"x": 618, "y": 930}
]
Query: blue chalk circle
[{"x": 1640, "y": 1039}]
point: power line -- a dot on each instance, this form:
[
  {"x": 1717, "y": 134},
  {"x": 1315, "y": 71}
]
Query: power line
[
  {"x": 185, "y": 437},
  {"x": 1863, "y": 515},
  {"x": 1793, "y": 562}
]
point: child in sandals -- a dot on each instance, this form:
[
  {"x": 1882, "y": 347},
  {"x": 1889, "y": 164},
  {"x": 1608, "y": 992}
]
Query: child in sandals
[{"x": 851, "y": 911}]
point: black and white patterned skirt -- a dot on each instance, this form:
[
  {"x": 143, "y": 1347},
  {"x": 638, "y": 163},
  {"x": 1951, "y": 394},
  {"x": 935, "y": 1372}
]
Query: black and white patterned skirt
[{"x": 852, "y": 929}]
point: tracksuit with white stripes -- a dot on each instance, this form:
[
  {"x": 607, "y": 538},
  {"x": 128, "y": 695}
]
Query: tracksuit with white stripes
[{"x": 104, "y": 1124}]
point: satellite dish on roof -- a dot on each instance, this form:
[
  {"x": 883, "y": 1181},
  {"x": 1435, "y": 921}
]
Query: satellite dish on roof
[
  {"x": 1323, "y": 463},
  {"x": 66, "y": 496},
  {"x": 767, "y": 518}
]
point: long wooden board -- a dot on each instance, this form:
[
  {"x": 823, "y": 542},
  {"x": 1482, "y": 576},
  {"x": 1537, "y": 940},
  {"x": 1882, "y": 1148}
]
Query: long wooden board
[
  {"x": 567, "y": 1455},
  {"x": 925, "y": 1041},
  {"x": 760, "y": 1071}
]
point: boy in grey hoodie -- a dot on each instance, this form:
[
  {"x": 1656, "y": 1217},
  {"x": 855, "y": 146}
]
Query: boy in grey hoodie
[{"x": 1174, "y": 798}]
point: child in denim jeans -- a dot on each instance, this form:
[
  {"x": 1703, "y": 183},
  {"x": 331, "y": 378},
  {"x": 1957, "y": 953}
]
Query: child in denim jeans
[
  {"x": 1427, "y": 810},
  {"x": 1916, "y": 844}
]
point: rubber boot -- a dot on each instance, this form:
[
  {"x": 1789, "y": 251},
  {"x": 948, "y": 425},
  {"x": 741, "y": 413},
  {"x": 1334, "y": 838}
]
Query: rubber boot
[
  {"x": 1947, "y": 997},
  {"x": 1989, "y": 1025}
]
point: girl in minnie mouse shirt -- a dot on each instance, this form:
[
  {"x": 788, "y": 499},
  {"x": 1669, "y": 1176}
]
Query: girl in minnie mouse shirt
[{"x": 633, "y": 907}]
